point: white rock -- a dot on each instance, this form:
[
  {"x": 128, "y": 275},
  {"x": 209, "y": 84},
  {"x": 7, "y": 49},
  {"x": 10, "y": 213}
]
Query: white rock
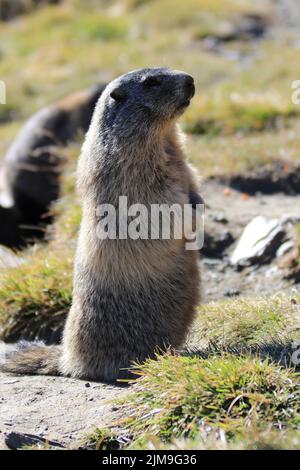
[{"x": 260, "y": 238}]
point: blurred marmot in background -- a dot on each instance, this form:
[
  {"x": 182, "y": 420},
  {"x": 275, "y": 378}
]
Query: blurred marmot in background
[
  {"x": 29, "y": 177},
  {"x": 9, "y": 9}
]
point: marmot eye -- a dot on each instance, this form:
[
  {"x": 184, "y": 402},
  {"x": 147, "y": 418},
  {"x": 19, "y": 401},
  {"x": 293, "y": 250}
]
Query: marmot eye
[
  {"x": 152, "y": 82},
  {"x": 117, "y": 95}
]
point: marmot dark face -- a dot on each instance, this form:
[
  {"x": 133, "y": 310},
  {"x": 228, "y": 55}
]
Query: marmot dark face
[{"x": 144, "y": 99}]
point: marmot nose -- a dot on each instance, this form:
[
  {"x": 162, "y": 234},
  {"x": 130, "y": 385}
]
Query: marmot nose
[{"x": 189, "y": 86}]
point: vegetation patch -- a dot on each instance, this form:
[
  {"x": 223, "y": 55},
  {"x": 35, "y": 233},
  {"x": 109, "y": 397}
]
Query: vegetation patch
[
  {"x": 293, "y": 259},
  {"x": 230, "y": 112},
  {"x": 251, "y": 438},
  {"x": 102, "y": 439},
  {"x": 179, "y": 398},
  {"x": 234, "y": 387},
  {"x": 269, "y": 158},
  {"x": 36, "y": 296},
  {"x": 263, "y": 325}
]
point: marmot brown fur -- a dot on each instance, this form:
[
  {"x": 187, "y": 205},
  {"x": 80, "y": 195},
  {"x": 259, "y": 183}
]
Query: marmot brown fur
[{"x": 131, "y": 297}]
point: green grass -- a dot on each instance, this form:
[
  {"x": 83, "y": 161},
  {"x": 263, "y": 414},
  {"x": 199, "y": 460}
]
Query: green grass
[
  {"x": 44, "y": 53},
  {"x": 201, "y": 17},
  {"x": 235, "y": 388},
  {"x": 228, "y": 112},
  {"x": 236, "y": 154},
  {"x": 249, "y": 439},
  {"x": 101, "y": 439},
  {"x": 35, "y": 297},
  {"x": 247, "y": 322},
  {"x": 179, "y": 398}
]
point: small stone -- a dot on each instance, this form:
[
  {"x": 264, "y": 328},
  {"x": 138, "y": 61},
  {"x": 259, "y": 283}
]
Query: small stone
[
  {"x": 285, "y": 248},
  {"x": 259, "y": 242},
  {"x": 87, "y": 384},
  {"x": 232, "y": 293},
  {"x": 271, "y": 272},
  {"x": 210, "y": 262},
  {"x": 8, "y": 259},
  {"x": 220, "y": 218}
]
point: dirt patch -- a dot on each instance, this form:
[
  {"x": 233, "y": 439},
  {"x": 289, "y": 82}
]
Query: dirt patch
[
  {"x": 269, "y": 179},
  {"x": 291, "y": 262},
  {"x": 54, "y": 408},
  {"x": 246, "y": 28},
  {"x": 217, "y": 239}
]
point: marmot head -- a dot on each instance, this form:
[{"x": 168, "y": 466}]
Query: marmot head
[{"x": 144, "y": 100}]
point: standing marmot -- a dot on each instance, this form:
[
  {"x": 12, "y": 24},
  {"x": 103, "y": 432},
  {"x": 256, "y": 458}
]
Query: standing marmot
[{"x": 131, "y": 297}]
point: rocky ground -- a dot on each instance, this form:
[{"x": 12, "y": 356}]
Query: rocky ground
[
  {"x": 55, "y": 409},
  {"x": 233, "y": 210}
]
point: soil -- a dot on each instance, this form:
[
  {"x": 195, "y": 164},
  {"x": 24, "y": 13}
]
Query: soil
[
  {"x": 55, "y": 408},
  {"x": 269, "y": 179}
]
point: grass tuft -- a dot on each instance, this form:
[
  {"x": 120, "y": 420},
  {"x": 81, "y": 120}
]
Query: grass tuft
[
  {"x": 180, "y": 397},
  {"x": 248, "y": 322},
  {"x": 36, "y": 296}
]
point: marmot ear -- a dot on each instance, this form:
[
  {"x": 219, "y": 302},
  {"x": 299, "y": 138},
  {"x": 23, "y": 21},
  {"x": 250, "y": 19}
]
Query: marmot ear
[{"x": 118, "y": 94}]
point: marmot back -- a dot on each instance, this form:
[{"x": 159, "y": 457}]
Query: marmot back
[{"x": 131, "y": 297}]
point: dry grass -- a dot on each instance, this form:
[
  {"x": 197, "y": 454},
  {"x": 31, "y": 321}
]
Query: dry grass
[{"x": 239, "y": 153}]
